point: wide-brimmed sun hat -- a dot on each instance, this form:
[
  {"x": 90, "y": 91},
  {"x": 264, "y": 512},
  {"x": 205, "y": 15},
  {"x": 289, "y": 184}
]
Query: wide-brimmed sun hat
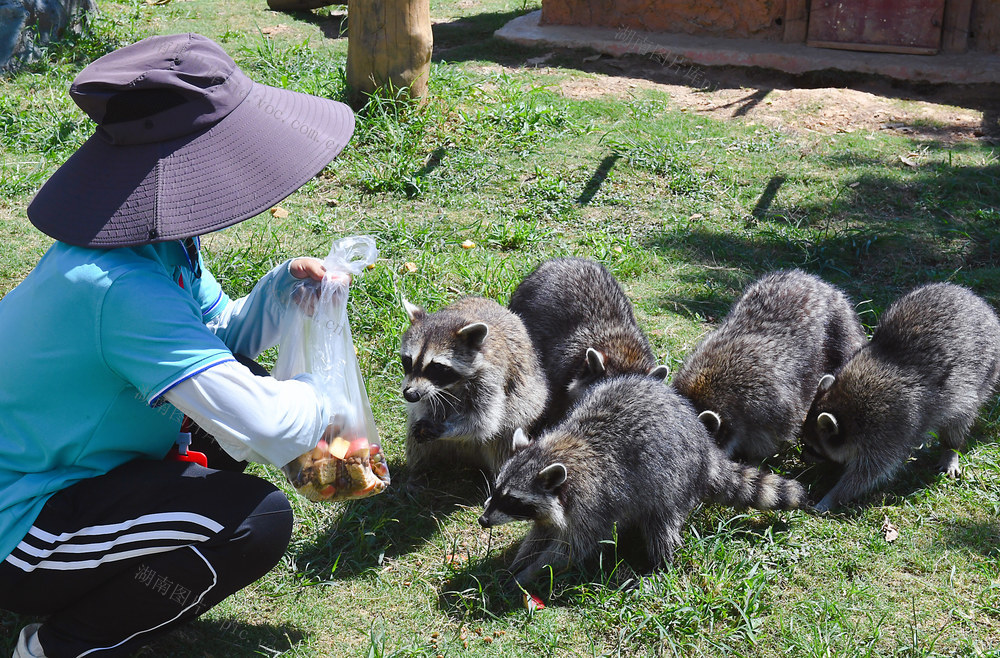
[{"x": 185, "y": 144}]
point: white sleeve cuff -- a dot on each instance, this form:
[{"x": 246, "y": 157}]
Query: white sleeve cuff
[{"x": 253, "y": 418}]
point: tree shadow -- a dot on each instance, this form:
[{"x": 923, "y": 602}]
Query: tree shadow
[
  {"x": 471, "y": 38},
  {"x": 881, "y": 235},
  {"x": 333, "y": 25},
  {"x": 389, "y": 525},
  {"x": 593, "y": 185},
  {"x": 979, "y": 97}
]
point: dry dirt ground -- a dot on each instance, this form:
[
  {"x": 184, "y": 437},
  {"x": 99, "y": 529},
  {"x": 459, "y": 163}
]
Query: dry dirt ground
[{"x": 826, "y": 103}]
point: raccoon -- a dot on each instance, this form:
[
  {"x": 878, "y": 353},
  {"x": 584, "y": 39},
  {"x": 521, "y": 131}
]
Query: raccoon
[
  {"x": 933, "y": 360},
  {"x": 753, "y": 378},
  {"x": 583, "y": 328},
  {"x": 632, "y": 456},
  {"x": 471, "y": 377}
]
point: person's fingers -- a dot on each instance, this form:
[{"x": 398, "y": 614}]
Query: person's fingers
[{"x": 307, "y": 268}]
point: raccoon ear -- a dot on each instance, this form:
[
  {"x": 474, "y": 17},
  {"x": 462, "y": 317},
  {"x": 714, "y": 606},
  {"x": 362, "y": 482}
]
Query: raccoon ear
[
  {"x": 552, "y": 476},
  {"x": 825, "y": 382},
  {"x": 660, "y": 372},
  {"x": 595, "y": 361},
  {"x": 710, "y": 420},
  {"x": 474, "y": 334},
  {"x": 413, "y": 312},
  {"x": 520, "y": 440},
  {"x": 827, "y": 424}
]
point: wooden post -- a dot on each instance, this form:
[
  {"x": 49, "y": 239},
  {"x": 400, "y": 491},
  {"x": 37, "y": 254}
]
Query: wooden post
[{"x": 389, "y": 45}]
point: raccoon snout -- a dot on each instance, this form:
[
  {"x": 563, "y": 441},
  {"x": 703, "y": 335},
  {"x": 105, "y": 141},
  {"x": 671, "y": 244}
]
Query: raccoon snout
[
  {"x": 485, "y": 522},
  {"x": 812, "y": 456},
  {"x": 411, "y": 394}
]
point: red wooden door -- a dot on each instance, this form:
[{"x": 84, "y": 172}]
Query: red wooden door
[{"x": 900, "y": 26}]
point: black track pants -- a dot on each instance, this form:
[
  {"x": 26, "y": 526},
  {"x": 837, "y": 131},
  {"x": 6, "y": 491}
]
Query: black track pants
[{"x": 113, "y": 560}]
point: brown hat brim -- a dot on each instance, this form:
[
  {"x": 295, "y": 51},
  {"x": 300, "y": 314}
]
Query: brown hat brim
[{"x": 109, "y": 196}]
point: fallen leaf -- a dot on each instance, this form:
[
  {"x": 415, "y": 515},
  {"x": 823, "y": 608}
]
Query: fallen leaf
[
  {"x": 592, "y": 58},
  {"x": 279, "y": 212},
  {"x": 854, "y": 184},
  {"x": 889, "y": 531},
  {"x": 468, "y": 244},
  {"x": 408, "y": 266},
  {"x": 454, "y": 559},
  {"x": 908, "y": 161}
]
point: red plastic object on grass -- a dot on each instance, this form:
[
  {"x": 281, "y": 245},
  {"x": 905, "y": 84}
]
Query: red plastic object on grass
[{"x": 532, "y": 602}]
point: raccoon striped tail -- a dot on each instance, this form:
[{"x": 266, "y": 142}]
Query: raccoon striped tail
[{"x": 739, "y": 485}]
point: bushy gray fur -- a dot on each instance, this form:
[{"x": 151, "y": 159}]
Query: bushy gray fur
[
  {"x": 631, "y": 455},
  {"x": 470, "y": 378},
  {"x": 932, "y": 362},
  {"x": 754, "y": 377},
  {"x": 583, "y": 328}
]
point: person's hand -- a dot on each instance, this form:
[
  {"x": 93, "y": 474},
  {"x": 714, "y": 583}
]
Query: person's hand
[
  {"x": 311, "y": 272},
  {"x": 307, "y": 268},
  {"x": 312, "y": 268}
]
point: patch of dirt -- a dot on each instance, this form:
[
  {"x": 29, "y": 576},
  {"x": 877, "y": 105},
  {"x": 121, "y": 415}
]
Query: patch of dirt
[{"x": 824, "y": 103}]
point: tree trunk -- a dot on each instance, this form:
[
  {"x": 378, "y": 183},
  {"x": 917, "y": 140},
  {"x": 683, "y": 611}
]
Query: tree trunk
[{"x": 389, "y": 45}]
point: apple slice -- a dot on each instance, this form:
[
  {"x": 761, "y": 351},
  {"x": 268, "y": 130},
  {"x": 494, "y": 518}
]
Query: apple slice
[
  {"x": 339, "y": 447},
  {"x": 359, "y": 447}
]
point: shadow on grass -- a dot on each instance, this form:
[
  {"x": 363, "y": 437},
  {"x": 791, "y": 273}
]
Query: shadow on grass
[
  {"x": 199, "y": 638},
  {"x": 389, "y": 525},
  {"x": 227, "y": 637},
  {"x": 913, "y": 478},
  {"x": 761, "y": 82},
  {"x": 880, "y": 237},
  {"x": 332, "y": 25},
  {"x": 471, "y": 38},
  {"x": 480, "y": 591},
  {"x": 982, "y": 537}
]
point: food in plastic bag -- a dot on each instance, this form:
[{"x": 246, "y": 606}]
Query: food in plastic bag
[
  {"x": 315, "y": 338},
  {"x": 338, "y": 469}
]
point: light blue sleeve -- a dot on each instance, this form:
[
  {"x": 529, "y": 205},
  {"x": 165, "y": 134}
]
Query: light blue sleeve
[
  {"x": 251, "y": 324},
  {"x": 209, "y": 294},
  {"x": 152, "y": 334}
]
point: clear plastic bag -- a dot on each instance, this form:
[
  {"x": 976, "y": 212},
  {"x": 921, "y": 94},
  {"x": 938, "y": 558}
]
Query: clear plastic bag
[{"x": 316, "y": 338}]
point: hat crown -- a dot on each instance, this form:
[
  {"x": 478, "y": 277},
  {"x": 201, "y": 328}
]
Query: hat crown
[{"x": 160, "y": 88}]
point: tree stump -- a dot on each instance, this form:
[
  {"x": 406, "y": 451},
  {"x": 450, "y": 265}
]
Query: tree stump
[{"x": 389, "y": 45}]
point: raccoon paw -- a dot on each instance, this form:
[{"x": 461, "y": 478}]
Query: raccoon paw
[
  {"x": 823, "y": 506},
  {"x": 949, "y": 464},
  {"x": 425, "y": 430}
]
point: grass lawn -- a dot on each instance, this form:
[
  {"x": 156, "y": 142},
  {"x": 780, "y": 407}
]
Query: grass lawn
[{"x": 686, "y": 210}]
